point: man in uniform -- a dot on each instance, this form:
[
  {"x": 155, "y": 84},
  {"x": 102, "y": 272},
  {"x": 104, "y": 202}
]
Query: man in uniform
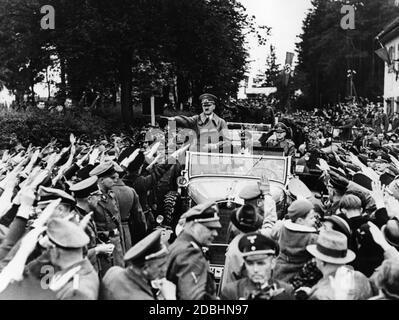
[
  {"x": 259, "y": 253},
  {"x": 187, "y": 266},
  {"x": 145, "y": 273},
  {"x": 87, "y": 197},
  {"x": 61, "y": 272},
  {"x": 210, "y": 129},
  {"x": 134, "y": 223},
  {"x": 107, "y": 216},
  {"x": 280, "y": 130},
  {"x": 76, "y": 278}
]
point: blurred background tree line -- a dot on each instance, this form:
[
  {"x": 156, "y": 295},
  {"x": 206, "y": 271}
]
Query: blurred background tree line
[{"x": 138, "y": 48}]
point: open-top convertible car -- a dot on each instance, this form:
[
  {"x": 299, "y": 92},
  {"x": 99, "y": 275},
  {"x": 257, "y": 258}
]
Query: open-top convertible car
[{"x": 221, "y": 177}]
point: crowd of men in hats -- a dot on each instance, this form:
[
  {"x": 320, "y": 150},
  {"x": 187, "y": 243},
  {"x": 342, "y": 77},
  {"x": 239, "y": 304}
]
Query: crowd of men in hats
[{"x": 81, "y": 222}]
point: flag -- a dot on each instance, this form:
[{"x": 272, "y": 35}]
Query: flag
[{"x": 288, "y": 67}]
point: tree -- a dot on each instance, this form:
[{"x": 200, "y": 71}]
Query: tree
[
  {"x": 273, "y": 72},
  {"x": 137, "y": 47},
  {"x": 326, "y": 51}
]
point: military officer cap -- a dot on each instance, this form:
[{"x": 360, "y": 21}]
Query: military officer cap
[
  {"x": 85, "y": 188},
  {"x": 250, "y": 192},
  {"x": 105, "y": 169},
  {"x": 149, "y": 248},
  {"x": 206, "y": 97},
  {"x": 254, "y": 245},
  {"x": 205, "y": 213},
  {"x": 66, "y": 235},
  {"x": 46, "y": 195},
  {"x": 280, "y": 127}
]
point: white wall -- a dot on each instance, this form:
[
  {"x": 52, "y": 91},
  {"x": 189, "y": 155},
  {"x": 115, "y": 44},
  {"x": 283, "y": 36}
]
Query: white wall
[
  {"x": 6, "y": 97},
  {"x": 391, "y": 85}
]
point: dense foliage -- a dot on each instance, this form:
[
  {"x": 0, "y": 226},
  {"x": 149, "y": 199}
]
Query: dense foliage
[
  {"x": 168, "y": 47},
  {"x": 326, "y": 51}
]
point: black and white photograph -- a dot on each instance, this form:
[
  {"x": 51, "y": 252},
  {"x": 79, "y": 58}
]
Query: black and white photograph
[{"x": 211, "y": 151}]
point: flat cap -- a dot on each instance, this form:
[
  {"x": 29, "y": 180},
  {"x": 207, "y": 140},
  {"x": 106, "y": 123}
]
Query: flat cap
[
  {"x": 205, "y": 213},
  {"x": 66, "y": 234},
  {"x": 256, "y": 244},
  {"x": 103, "y": 170},
  {"x": 151, "y": 247},
  {"x": 250, "y": 192},
  {"x": 46, "y": 195},
  {"x": 85, "y": 188},
  {"x": 299, "y": 209}
]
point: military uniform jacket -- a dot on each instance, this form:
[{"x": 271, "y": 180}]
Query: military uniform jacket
[
  {"x": 78, "y": 282},
  {"x": 286, "y": 144},
  {"x": 134, "y": 224},
  {"x": 189, "y": 270},
  {"x": 107, "y": 216},
  {"x": 125, "y": 284},
  {"x": 244, "y": 288},
  {"x": 207, "y": 130}
]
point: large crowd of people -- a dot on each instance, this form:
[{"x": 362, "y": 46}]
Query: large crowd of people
[{"x": 84, "y": 221}]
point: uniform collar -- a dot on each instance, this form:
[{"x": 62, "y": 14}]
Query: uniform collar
[
  {"x": 136, "y": 276},
  {"x": 184, "y": 236},
  {"x": 213, "y": 117}
]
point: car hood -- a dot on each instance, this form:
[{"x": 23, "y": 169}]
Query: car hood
[{"x": 220, "y": 188}]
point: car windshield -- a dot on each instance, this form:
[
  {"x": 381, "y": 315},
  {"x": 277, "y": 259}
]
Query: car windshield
[{"x": 215, "y": 164}]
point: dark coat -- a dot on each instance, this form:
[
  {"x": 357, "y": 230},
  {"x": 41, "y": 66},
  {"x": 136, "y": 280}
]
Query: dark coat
[
  {"x": 134, "y": 224},
  {"x": 189, "y": 270},
  {"x": 293, "y": 255},
  {"x": 125, "y": 284},
  {"x": 369, "y": 255},
  {"x": 245, "y": 288}
]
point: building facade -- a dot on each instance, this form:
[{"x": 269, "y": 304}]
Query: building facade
[{"x": 389, "y": 37}]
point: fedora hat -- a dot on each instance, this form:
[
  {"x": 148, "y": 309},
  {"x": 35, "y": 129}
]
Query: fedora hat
[
  {"x": 332, "y": 247},
  {"x": 391, "y": 232},
  {"x": 246, "y": 218}
]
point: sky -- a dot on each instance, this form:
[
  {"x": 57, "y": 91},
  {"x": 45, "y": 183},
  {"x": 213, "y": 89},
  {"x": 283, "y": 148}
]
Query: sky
[{"x": 285, "y": 17}]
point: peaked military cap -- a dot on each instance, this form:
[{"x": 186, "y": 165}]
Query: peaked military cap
[
  {"x": 205, "y": 213},
  {"x": 103, "y": 170},
  {"x": 85, "y": 188},
  {"x": 256, "y": 244},
  {"x": 280, "y": 127},
  {"x": 149, "y": 248},
  {"x": 207, "y": 97},
  {"x": 66, "y": 234},
  {"x": 46, "y": 195}
]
